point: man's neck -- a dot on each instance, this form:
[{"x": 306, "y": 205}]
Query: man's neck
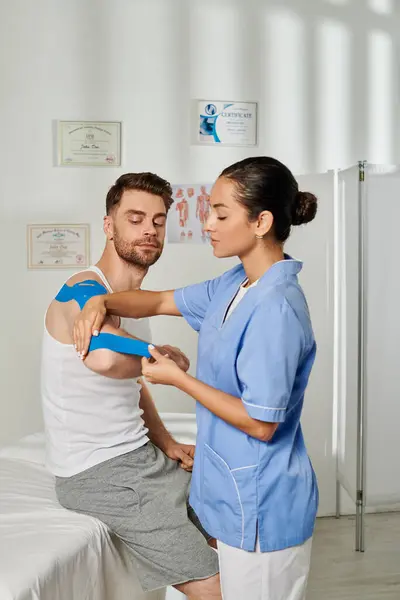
[{"x": 120, "y": 275}]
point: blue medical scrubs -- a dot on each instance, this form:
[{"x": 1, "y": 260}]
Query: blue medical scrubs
[{"x": 262, "y": 354}]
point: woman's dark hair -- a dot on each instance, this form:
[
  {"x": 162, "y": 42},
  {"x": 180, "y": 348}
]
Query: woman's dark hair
[{"x": 264, "y": 183}]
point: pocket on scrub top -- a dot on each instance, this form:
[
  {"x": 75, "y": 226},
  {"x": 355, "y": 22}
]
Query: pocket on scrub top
[{"x": 221, "y": 500}]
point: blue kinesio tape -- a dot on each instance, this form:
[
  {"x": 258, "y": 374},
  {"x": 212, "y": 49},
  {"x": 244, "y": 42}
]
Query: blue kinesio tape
[
  {"x": 81, "y": 292},
  {"x": 120, "y": 344}
]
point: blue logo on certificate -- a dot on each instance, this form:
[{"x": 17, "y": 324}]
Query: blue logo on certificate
[{"x": 211, "y": 109}]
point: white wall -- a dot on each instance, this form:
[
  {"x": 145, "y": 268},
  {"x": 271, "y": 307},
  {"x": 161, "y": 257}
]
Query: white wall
[{"x": 323, "y": 72}]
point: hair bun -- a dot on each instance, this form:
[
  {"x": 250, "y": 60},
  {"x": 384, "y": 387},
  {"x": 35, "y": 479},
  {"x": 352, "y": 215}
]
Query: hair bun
[{"x": 304, "y": 208}]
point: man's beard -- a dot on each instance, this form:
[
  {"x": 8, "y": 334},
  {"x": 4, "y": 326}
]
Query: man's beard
[{"x": 130, "y": 251}]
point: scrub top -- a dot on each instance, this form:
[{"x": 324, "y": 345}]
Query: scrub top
[{"x": 243, "y": 487}]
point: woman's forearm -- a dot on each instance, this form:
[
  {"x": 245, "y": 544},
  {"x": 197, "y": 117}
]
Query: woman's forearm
[
  {"x": 138, "y": 304},
  {"x": 226, "y": 407}
]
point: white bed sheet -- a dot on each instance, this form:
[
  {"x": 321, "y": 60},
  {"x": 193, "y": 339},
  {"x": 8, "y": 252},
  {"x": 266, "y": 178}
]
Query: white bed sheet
[{"x": 47, "y": 552}]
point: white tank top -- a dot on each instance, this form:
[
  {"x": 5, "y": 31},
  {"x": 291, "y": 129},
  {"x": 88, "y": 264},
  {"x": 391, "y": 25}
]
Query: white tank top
[{"x": 88, "y": 418}]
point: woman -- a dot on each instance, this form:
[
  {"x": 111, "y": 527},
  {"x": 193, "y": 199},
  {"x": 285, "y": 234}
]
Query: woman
[{"x": 253, "y": 486}]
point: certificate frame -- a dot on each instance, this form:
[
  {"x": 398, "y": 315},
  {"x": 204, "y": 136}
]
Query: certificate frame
[
  {"x": 239, "y": 123},
  {"x": 46, "y": 243},
  {"x": 89, "y": 143}
]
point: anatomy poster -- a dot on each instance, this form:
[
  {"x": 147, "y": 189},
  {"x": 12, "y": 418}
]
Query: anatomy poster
[{"x": 188, "y": 214}]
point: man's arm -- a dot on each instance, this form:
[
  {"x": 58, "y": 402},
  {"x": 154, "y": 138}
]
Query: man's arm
[
  {"x": 60, "y": 322},
  {"x": 118, "y": 365},
  {"x": 113, "y": 364},
  {"x": 160, "y": 436},
  {"x": 158, "y": 433}
]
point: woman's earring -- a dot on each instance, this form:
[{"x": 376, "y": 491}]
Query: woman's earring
[{"x": 259, "y": 237}]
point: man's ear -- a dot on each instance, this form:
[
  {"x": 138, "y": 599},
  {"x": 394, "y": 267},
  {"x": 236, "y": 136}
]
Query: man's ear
[{"x": 108, "y": 227}]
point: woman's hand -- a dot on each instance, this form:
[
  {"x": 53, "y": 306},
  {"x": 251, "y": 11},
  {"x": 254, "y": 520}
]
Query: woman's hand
[
  {"x": 88, "y": 323},
  {"x": 160, "y": 370}
]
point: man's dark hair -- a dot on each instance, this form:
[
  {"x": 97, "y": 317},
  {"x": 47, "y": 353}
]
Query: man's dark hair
[{"x": 144, "y": 182}]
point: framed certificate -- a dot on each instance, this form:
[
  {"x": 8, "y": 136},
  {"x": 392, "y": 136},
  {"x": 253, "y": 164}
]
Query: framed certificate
[
  {"x": 58, "y": 246},
  {"x": 226, "y": 123},
  {"x": 89, "y": 143}
]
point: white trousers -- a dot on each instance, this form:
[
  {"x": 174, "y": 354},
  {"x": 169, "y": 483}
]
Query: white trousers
[{"x": 280, "y": 575}]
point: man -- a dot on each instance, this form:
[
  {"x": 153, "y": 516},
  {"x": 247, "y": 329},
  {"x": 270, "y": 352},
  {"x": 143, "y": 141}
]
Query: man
[{"x": 112, "y": 457}]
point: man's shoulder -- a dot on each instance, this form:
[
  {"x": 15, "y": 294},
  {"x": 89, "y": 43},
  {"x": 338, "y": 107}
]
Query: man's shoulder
[
  {"x": 81, "y": 276},
  {"x": 68, "y": 301},
  {"x": 61, "y": 301},
  {"x": 81, "y": 287}
]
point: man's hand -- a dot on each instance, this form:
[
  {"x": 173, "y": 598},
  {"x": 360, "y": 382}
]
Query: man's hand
[
  {"x": 183, "y": 453},
  {"x": 176, "y": 355}
]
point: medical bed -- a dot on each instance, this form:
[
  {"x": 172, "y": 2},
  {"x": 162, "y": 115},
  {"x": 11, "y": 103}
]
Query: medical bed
[{"x": 49, "y": 553}]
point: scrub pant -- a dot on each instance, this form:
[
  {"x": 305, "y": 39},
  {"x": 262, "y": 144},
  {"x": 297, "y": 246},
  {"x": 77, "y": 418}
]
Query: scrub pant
[{"x": 280, "y": 575}]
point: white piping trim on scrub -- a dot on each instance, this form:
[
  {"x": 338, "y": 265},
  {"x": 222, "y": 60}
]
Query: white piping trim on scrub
[
  {"x": 237, "y": 489},
  {"x": 241, "y": 508},
  {"x": 262, "y": 407},
  {"x": 193, "y": 315},
  {"x": 242, "y": 468}
]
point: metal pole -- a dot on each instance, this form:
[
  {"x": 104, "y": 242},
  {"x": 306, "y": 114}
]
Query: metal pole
[
  {"x": 338, "y": 487},
  {"x": 360, "y": 500},
  {"x": 337, "y": 264}
]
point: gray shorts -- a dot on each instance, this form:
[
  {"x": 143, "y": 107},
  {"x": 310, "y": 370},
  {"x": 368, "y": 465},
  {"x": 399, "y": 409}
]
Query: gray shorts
[{"x": 142, "y": 497}]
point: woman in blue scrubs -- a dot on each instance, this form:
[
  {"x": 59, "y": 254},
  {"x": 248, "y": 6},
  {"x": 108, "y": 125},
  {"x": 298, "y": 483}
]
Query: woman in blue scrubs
[{"x": 253, "y": 486}]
